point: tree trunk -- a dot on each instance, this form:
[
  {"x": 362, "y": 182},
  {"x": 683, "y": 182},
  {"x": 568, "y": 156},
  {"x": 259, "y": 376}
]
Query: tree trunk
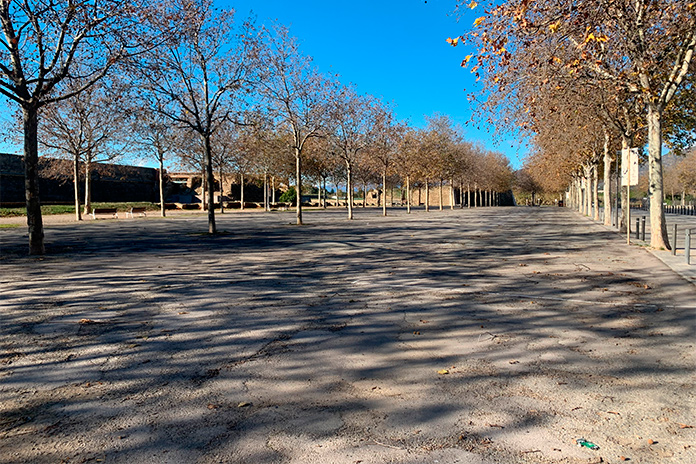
[
  {"x": 384, "y": 188},
  {"x": 349, "y": 189},
  {"x": 222, "y": 189},
  {"x": 204, "y": 186},
  {"x": 452, "y": 195},
  {"x": 364, "y": 195},
  {"x": 427, "y": 195},
  {"x": 595, "y": 192},
  {"x": 88, "y": 186},
  {"x": 31, "y": 182},
  {"x": 161, "y": 185},
  {"x": 617, "y": 189},
  {"x": 323, "y": 180},
  {"x": 298, "y": 185},
  {"x": 212, "y": 229},
  {"x": 241, "y": 190},
  {"x": 607, "y": 181},
  {"x": 586, "y": 188},
  {"x": 658, "y": 226},
  {"x": 76, "y": 187},
  {"x": 468, "y": 195},
  {"x": 408, "y": 194},
  {"x": 266, "y": 206},
  {"x": 273, "y": 190},
  {"x": 441, "y": 198}
]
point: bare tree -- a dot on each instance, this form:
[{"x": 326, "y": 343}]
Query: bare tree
[
  {"x": 155, "y": 136},
  {"x": 321, "y": 164},
  {"x": 89, "y": 128},
  {"x": 352, "y": 131},
  {"x": 387, "y": 138},
  {"x": 295, "y": 93},
  {"x": 200, "y": 77},
  {"x": 40, "y": 44}
]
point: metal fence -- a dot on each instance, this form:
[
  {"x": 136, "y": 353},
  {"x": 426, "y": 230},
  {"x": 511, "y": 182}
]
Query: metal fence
[{"x": 686, "y": 210}]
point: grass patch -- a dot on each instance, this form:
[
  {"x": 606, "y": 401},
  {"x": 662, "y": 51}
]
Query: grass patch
[
  {"x": 48, "y": 210},
  {"x": 10, "y": 226}
]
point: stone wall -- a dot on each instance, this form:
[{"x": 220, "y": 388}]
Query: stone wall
[{"x": 110, "y": 182}]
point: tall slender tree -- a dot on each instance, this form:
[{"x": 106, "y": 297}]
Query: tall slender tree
[
  {"x": 295, "y": 93},
  {"x": 40, "y": 45},
  {"x": 201, "y": 76}
]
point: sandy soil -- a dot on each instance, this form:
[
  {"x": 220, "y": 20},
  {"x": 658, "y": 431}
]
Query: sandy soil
[{"x": 476, "y": 336}]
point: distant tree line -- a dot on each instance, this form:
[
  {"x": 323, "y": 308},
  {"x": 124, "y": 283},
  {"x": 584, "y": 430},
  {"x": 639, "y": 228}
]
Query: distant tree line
[{"x": 186, "y": 82}]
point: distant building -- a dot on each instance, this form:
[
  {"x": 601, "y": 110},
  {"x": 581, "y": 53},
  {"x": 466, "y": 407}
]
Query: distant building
[{"x": 110, "y": 182}]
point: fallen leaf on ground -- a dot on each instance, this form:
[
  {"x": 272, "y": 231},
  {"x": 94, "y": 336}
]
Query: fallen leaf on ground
[
  {"x": 685, "y": 426},
  {"x": 443, "y": 371},
  {"x": 243, "y": 404}
]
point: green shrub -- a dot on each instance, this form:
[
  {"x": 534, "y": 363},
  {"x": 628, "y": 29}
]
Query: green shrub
[{"x": 289, "y": 196}]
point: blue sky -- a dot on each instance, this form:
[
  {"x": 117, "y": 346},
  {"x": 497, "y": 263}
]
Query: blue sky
[{"x": 395, "y": 50}]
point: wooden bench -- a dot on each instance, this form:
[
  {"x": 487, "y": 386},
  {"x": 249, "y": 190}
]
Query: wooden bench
[
  {"x": 100, "y": 211},
  {"x": 140, "y": 211}
]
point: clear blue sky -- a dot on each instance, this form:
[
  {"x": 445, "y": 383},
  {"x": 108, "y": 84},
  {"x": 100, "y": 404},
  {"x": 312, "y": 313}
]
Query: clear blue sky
[{"x": 395, "y": 50}]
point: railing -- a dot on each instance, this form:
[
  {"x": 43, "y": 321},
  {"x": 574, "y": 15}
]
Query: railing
[
  {"x": 687, "y": 210},
  {"x": 687, "y": 242}
]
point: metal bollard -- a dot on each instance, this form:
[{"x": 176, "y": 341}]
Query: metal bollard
[
  {"x": 674, "y": 241},
  {"x": 642, "y": 234},
  {"x": 637, "y": 228},
  {"x": 687, "y": 246}
]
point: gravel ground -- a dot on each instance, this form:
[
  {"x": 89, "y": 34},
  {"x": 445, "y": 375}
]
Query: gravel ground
[{"x": 471, "y": 336}]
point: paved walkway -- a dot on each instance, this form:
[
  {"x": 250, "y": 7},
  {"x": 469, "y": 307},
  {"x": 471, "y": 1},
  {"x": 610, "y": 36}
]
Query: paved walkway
[
  {"x": 676, "y": 261},
  {"x": 476, "y": 336}
]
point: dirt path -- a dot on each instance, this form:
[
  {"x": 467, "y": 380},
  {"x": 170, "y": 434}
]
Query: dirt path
[{"x": 148, "y": 341}]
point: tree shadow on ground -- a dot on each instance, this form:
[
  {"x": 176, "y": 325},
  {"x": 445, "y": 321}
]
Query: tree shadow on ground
[{"x": 150, "y": 341}]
